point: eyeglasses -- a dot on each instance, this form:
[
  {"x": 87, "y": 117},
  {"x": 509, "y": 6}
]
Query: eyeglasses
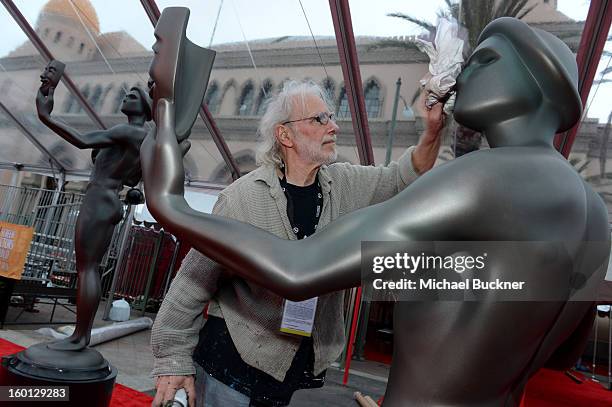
[{"x": 322, "y": 118}]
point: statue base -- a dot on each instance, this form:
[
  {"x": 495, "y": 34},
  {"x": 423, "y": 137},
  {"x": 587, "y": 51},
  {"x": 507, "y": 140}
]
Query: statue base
[{"x": 88, "y": 377}]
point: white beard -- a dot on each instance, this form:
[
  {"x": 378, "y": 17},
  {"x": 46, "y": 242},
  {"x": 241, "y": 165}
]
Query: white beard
[{"x": 312, "y": 151}]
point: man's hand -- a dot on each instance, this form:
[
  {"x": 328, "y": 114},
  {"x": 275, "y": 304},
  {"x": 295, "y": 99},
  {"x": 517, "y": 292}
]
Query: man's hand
[
  {"x": 167, "y": 386},
  {"x": 426, "y": 151},
  {"x": 44, "y": 104}
]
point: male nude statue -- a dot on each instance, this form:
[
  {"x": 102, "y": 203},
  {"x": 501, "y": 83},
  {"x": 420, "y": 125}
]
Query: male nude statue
[
  {"x": 116, "y": 164},
  {"x": 446, "y": 353}
]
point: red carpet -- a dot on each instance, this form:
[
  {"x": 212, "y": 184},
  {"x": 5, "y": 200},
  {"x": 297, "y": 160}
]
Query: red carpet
[
  {"x": 122, "y": 396},
  {"x": 548, "y": 388}
]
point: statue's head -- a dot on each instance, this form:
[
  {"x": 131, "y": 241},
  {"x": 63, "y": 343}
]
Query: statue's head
[
  {"x": 51, "y": 75},
  {"x": 137, "y": 102},
  {"x": 180, "y": 69},
  {"x": 516, "y": 71}
]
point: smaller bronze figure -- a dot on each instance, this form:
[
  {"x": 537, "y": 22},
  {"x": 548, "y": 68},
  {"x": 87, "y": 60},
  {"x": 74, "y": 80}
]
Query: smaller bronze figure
[
  {"x": 51, "y": 76},
  {"x": 116, "y": 164}
]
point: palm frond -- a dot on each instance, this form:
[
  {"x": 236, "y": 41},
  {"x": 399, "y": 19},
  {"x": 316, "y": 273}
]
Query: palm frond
[
  {"x": 451, "y": 10},
  {"x": 510, "y": 8},
  {"x": 602, "y": 81},
  {"x": 392, "y": 43},
  {"x": 606, "y": 71},
  {"x": 523, "y": 13},
  {"x": 424, "y": 24}
]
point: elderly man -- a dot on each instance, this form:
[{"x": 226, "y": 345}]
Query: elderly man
[{"x": 242, "y": 358}]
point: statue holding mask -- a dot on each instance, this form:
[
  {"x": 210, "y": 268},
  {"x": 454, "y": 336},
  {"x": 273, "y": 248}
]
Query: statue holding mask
[
  {"x": 521, "y": 190},
  {"x": 116, "y": 164}
]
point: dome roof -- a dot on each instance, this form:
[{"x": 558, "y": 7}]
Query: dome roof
[{"x": 84, "y": 8}]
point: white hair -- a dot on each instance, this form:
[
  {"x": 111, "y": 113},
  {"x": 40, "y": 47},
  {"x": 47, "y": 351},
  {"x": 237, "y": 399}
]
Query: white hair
[{"x": 278, "y": 110}]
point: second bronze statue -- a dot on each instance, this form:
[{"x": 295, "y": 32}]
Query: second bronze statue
[
  {"x": 117, "y": 150},
  {"x": 116, "y": 164}
]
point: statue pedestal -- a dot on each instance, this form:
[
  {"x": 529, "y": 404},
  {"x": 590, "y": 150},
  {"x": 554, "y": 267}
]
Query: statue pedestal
[{"x": 88, "y": 377}]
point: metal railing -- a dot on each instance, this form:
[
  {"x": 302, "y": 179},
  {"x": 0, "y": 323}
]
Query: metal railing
[
  {"x": 53, "y": 215},
  {"x": 146, "y": 268},
  {"x": 143, "y": 274}
]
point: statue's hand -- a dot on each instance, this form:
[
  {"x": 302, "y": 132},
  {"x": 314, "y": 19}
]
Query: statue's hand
[
  {"x": 161, "y": 156},
  {"x": 44, "y": 104}
]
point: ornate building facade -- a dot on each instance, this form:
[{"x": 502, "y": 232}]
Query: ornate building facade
[{"x": 105, "y": 65}]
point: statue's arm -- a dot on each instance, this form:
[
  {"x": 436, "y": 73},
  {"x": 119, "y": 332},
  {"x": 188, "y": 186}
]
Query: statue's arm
[
  {"x": 327, "y": 261},
  {"x": 94, "y": 139}
]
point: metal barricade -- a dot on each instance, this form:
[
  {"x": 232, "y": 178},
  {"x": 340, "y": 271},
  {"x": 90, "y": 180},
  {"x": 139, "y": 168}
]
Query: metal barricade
[
  {"x": 53, "y": 215},
  {"x": 148, "y": 259},
  {"x": 147, "y": 267}
]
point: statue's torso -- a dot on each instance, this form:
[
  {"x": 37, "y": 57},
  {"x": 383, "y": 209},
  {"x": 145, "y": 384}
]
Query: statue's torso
[
  {"x": 119, "y": 164},
  {"x": 480, "y": 353}
]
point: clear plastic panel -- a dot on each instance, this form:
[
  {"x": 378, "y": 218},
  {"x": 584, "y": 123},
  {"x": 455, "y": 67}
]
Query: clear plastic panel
[
  {"x": 254, "y": 60},
  {"x": 385, "y": 46},
  {"x": 591, "y": 153},
  {"x": 105, "y": 51},
  {"x": 115, "y": 56},
  {"x": 20, "y": 68},
  {"x": 15, "y": 148}
]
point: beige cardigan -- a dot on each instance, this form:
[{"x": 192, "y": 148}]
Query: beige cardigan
[{"x": 251, "y": 312}]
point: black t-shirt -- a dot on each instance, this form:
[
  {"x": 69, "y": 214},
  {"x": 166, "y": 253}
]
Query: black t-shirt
[
  {"x": 218, "y": 355},
  {"x": 303, "y": 207}
]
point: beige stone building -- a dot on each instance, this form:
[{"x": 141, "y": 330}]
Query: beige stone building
[{"x": 105, "y": 65}]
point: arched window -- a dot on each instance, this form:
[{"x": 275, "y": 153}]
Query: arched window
[
  {"x": 343, "y": 106},
  {"x": 247, "y": 97},
  {"x": 329, "y": 87},
  {"x": 105, "y": 94},
  {"x": 281, "y": 85},
  {"x": 70, "y": 42},
  {"x": 81, "y": 48},
  {"x": 372, "y": 99},
  {"x": 69, "y": 104},
  {"x": 58, "y": 37},
  {"x": 96, "y": 97},
  {"x": 85, "y": 92},
  {"x": 229, "y": 98},
  {"x": 213, "y": 97},
  {"x": 265, "y": 93},
  {"x": 46, "y": 32},
  {"x": 119, "y": 98}
]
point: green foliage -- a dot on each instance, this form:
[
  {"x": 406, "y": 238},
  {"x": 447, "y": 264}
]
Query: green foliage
[
  {"x": 393, "y": 43},
  {"x": 474, "y": 15}
]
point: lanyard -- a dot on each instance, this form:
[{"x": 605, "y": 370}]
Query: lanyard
[{"x": 291, "y": 206}]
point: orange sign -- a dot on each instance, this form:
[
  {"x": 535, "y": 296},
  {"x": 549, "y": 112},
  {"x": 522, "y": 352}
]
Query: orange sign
[{"x": 14, "y": 245}]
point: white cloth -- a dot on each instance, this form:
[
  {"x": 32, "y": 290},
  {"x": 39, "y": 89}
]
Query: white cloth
[{"x": 445, "y": 62}]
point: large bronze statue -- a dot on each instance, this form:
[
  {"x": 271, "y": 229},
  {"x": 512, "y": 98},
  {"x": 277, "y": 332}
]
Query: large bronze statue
[
  {"x": 478, "y": 353},
  {"x": 116, "y": 164}
]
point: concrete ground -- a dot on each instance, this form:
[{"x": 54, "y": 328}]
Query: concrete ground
[{"x": 132, "y": 357}]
